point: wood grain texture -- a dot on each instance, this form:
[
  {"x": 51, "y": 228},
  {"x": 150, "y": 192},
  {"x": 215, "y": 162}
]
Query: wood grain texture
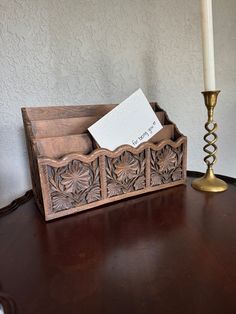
[
  {"x": 64, "y": 112},
  {"x": 167, "y": 132},
  {"x": 57, "y": 147},
  {"x": 69, "y": 126},
  {"x": 172, "y": 251},
  {"x": 69, "y": 176}
]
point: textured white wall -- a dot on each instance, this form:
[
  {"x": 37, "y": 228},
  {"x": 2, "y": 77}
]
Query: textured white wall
[{"x": 100, "y": 51}]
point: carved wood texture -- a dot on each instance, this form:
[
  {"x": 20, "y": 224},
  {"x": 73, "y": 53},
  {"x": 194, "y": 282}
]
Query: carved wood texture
[
  {"x": 166, "y": 165},
  {"x": 79, "y": 183},
  {"x": 86, "y": 178},
  {"x": 74, "y": 185},
  {"x": 125, "y": 173}
]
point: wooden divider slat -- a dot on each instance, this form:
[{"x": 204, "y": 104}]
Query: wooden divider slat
[
  {"x": 57, "y": 112},
  {"x": 56, "y": 147},
  {"x": 69, "y": 126},
  {"x": 167, "y": 132}
]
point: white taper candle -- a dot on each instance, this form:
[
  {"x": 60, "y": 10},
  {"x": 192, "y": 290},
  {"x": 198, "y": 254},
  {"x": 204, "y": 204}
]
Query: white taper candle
[{"x": 208, "y": 45}]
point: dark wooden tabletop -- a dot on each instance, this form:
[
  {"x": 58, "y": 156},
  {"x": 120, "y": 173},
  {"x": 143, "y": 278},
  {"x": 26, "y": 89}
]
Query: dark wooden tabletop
[{"x": 172, "y": 251}]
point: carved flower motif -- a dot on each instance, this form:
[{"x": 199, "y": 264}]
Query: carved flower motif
[
  {"x": 114, "y": 189},
  {"x": 94, "y": 194},
  {"x": 166, "y": 159},
  {"x": 127, "y": 167},
  {"x": 166, "y": 165},
  {"x": 177, "y": 174},
  {"x": 77, "y": 177},
  {"x": 156, "y": 179},
  {"x": 139, "y": 183},
  {"x": 61, "y": 202},
  {"x": 166, "y": 177}
]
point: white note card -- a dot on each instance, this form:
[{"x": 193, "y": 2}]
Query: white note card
[{"x": 132, "y": 122}]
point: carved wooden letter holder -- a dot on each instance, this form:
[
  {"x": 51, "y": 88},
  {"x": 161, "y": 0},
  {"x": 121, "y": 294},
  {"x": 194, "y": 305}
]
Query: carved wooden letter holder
[{"x": 69, "y": 174}]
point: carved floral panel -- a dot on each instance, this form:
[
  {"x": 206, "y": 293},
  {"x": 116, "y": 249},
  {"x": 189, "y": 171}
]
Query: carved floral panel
[
  {"x": 74, "y": 185},
  {"x": 125, "y": 173},
  {"x": 166, "y": 165}
]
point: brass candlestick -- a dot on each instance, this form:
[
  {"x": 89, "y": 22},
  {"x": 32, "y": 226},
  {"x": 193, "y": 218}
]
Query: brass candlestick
[{"x": 209, "y": 182}]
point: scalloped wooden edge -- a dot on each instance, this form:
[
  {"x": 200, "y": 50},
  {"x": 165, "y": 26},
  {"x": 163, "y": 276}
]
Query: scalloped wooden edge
[{"x": 60, "y": 162}]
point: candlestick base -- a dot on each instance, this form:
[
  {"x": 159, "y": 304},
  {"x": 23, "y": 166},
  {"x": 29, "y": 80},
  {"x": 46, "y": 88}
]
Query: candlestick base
[{"x": 209, "y": 182}]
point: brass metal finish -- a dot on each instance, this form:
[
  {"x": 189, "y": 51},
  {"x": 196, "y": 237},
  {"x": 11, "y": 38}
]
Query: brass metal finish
[{"x": 209, "y": 182}]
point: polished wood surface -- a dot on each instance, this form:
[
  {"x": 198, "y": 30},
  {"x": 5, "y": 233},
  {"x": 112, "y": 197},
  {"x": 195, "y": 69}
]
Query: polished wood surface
[{"x": 172, "y": 251}]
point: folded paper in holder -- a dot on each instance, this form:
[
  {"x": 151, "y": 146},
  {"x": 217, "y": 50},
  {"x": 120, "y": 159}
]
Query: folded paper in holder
[{"x": 132, "y": 122}]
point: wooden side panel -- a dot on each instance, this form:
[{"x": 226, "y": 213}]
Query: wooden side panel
[{"x": 33, "y": 163}]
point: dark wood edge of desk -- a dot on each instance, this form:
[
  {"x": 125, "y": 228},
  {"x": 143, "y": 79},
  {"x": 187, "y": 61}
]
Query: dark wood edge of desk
[
  {"x": 16, "y": 203},
  {"x": 29, "y": 194},
  {"x": 8, "y": 304}
]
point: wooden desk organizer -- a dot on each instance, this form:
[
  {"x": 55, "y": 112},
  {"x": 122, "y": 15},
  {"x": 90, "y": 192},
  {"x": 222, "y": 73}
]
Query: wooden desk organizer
[{"x": 70, "y": 175}]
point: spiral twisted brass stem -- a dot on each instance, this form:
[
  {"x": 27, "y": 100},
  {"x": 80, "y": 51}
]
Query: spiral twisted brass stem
[{"x": 210, "y": 138}]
